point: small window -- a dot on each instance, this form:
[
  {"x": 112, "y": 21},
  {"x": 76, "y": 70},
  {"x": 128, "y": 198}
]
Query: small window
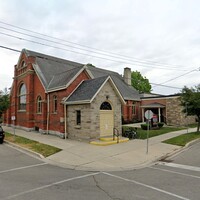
[
  {"x": 22, "y": 97},
  {"x": 39, "y": 104},
  {"x": 78, "y": 117},
  {"x": 55, "y": 104}
]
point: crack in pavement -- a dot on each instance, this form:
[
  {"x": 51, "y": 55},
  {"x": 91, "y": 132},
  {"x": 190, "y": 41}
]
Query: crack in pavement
[{"x": 104, "y": 191}]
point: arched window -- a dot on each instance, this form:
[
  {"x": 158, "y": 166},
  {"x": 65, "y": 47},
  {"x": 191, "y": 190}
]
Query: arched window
[
  {"x": 39, "y": 104},
  {"x": 105, "y": 106},
  {"x": 22, "y": 97},
  {"x": 55, "y": 104}
]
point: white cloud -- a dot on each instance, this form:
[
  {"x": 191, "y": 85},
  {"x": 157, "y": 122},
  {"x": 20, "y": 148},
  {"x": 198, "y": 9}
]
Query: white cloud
[{"x": 161, "y": 31}]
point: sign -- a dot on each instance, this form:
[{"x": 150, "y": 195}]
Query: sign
[
  {"x": 13, "y": 118},
  {"x": 148, "y": 114}
]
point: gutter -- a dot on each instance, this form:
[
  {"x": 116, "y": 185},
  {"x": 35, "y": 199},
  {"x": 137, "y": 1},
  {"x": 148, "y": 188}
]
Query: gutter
[
  {"x": 65, "y": 119},
  {"x": 47, "y": 113}
]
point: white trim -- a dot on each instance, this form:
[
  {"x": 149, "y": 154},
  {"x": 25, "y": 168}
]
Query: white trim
[
  {"x": 18, "y": 62},
  {"x": 90, "y": 101},
  {"x": 88, "y": 71},
  {"x": 118, "y": 92},
  {"x": 115, "y": 88}
]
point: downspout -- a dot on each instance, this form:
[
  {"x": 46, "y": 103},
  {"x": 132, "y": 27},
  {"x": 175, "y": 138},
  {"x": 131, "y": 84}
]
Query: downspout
[
  {"x": 47, "y": 113},
  {"x": 65, "y": 116}
]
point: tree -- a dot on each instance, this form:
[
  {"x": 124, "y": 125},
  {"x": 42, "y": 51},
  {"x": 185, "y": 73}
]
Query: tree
[
  {"x": 190, "y": 99},
  {"x": 4, "y": 101},
  {"x": 140, "y": 83}
]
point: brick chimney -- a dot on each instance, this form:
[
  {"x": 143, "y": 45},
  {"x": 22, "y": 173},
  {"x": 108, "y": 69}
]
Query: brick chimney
[{"x": 127, "y": 75}]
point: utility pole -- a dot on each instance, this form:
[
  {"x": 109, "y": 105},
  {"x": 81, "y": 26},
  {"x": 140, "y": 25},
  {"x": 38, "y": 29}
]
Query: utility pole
[{"x": 186, "y": 115}]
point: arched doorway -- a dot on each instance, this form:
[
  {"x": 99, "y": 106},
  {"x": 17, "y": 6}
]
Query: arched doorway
[{"x": 106, "y": 119}]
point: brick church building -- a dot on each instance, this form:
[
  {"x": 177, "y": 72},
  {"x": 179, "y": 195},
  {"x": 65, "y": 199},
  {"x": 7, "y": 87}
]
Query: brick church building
[{"x": 57, "y": 96}]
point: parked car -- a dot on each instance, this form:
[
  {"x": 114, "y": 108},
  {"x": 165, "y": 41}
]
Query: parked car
[{"x": 2, "y": 135}]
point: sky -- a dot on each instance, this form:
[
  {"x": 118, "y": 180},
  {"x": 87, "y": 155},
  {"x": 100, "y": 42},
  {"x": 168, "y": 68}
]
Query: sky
[{"x": 158, "y": 38}]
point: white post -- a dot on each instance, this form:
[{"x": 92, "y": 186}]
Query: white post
[
  {"x": 159, "y": 120},
  {"x": 142, "y": 114}
]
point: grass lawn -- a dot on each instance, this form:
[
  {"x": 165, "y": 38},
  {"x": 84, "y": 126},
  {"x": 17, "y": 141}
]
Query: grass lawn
[
  {"x": 142, "y": 134},
  {"x": 43, "y": 149},
  {"x": 182, "y": 140}
]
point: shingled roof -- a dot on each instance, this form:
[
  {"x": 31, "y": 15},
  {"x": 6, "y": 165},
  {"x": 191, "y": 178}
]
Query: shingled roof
[
  {"x": 128, "y": 92},
  {"x": 55, "y": 73},
  {"x": 88, "y": 90}
]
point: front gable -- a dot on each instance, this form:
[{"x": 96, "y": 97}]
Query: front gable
[{"x": 89, "y": 89}]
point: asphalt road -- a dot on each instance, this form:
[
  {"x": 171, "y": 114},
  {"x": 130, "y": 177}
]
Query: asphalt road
[{"x": 23, "y": 177}]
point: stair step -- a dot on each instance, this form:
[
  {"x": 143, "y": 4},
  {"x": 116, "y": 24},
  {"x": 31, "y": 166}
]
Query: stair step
[{"x": 108, "y": 141}]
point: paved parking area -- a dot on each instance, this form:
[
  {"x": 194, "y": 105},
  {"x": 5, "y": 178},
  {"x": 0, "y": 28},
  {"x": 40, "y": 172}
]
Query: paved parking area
[{"x": 23, "y": 177}]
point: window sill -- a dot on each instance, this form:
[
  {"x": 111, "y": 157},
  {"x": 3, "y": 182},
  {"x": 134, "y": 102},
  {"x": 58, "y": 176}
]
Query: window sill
[
  {"x": 78, "y": 127},
  {"x": 21, "y": 111}
]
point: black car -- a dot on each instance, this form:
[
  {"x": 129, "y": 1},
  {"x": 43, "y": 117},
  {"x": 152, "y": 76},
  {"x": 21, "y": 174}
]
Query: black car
[{"x": 2, "y": 135}]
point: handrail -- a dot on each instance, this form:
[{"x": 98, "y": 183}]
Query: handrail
[{"x": 116, "y": 134}]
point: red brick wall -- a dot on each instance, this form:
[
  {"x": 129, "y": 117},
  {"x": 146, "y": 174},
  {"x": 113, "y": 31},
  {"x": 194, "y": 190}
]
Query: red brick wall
[
  {"x": 25, "y": 76},
  {"x": 39, "y": 119},
  {"x": 30, "y": 118},
  {"x": 56, "y": 120},
  {"x": 127, "y": 111}
]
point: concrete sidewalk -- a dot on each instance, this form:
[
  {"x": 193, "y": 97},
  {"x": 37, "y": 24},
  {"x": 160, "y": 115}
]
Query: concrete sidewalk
[{"x": 123, "y": 156}]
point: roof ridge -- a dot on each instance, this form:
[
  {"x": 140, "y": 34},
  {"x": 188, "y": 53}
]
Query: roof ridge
[
  {"x": 100, "y": 69},
  {"x": 48, "y": 57}
]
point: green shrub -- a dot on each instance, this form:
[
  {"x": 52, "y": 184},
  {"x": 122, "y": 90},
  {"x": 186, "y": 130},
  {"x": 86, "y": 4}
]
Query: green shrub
[
  {"x": 160, "y": 124},
  {"x": 144, "y": 126}
]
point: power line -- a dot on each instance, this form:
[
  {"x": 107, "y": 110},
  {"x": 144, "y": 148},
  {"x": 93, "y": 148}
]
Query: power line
[
  {"x": 165, "y": 86},
  {"x": 82, "y": 49},
  {"x": 147, "y": 62},
  {"x": 99, "y": 57},
  {"x": 9, "y": 49},
  {"x": 179, "y": 76},
  {"x": 172, "y": 79}
]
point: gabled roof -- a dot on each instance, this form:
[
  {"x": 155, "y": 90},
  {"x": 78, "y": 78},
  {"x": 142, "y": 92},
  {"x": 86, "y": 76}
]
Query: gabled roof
[
  {"x": 128, "y": 92},
  {"x": 88, "y": 89},
  {"x": 55, "y": 73}
]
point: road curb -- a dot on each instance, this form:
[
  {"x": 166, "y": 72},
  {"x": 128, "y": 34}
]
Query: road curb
[
  {"x": 189, "y": 144},
  {"x": 192, "y": 142},
  {"x": 24, "y": 149}
]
